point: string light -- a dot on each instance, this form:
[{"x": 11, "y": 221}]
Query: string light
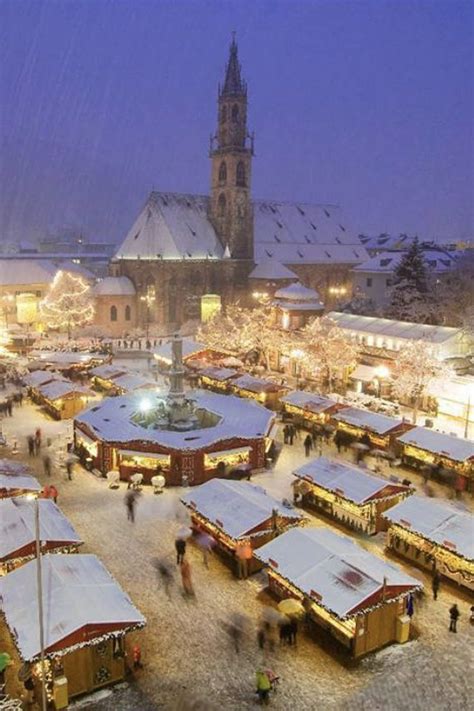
[{"x": 69, "y": 302}]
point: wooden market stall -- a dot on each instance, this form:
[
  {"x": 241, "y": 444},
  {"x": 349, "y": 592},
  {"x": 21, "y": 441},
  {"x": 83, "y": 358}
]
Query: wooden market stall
[
  {"x": 233, "y": 512},
  {"x": 434, "y": 535},
  {"x": 63, "y": 399},
  {"x": 265, "y": 392},
  {"x": 70, "y": 362},
  {"x": 18, "y": 534},
  {"x": 103, "y": 375},
  {"x": 420, "y": 447},
  {"x": 128, "y": 382},
  {"x": 88, "y": 616},
  {"x": 217, "y": 379},
  {"x": 38, "y": 378},
  {"x": 380, "y": 429},
  {"x": 357, "y": 597},
  {"x": 347, "y": 493},
  {"x": 16, "y": 479},
  {"x": 309, "y": 409}
]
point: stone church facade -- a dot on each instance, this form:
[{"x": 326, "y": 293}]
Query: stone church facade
[{"x": 183, "y": 246}]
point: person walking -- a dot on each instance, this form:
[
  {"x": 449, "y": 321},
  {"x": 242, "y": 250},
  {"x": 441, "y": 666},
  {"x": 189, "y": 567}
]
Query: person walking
[
  {"x": 291, "y": 433},
  {"x": 186, "y": 579},
  {"x": 53, "y": 493},
  {"x": 435, "y": 583},
  {"x": 263, "y": 686},
  {"x": 243, "y": 553},
  {"x": 454, "y": 615},
  {"x": 37, "y": 441},
  {"x": 69, "y": 466},
  {"x": 137, "y": 657},
  {"x": 166, "y": 576},
  {"x": 286, "y": 432},
  {"x": 308, "y": 444},
  {"x": 180, "y": 545},
  {"x": 410, "y": 605},
  {"x": 130, "y": 503},
  {"x": 47, "y": 464},
  {"x": 31, "y": 445}
]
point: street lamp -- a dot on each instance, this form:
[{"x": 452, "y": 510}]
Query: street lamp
[
  {"x": 149, "y": 299},
  {"x": 39, "y": 584},
  {"x": 381, "y": 372}
]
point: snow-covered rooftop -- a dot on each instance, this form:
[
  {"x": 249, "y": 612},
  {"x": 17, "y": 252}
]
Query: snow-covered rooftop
[
  {"x": 460, "y": 450},
  {"x": 107, "y": 371},
  {"x": 132, "y": 381},
  {"x": 16, "y": 476},
  {"x": 333, "y": 570},
  {"x": 190, "y": 348},
  {"x": 437, "y": 260},
  {"x": 176, "y": 226},
  {"x": 65, "y": 358},
  {"x": 15, "y": 272},
  {"x": 59, "y": 388},
  {"x": 114, "y": 286},
  {"x": 78, "y": 593},
  {"x": 239, "y": 418},
  {"x": 371, "y": 421},
  {"x": 308, "y": 401},
  {"x": 273, "y": 270},
  {"x": 438, "y": 521},
  {"x": 256, "y": 385},
  {"x": 394, "y": 329},
  {"x": 346, "y": 480},
  {"x": 236, "y": 507},
  {"x": 41, "y": 377},
  {"x": 297, "y": 292},
  {"x": 218, "y": 373},
  {"x": 17, "y": 525}
]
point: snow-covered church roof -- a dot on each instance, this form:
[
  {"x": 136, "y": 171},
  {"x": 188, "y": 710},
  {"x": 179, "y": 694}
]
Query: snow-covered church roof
[
  {"x": 176, "y": 226},
  {"x": 114, "y": 286},
  {"x": 272, "y": 269}
]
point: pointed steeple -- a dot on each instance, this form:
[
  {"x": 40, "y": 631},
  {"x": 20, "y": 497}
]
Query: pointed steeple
[{"x": 233, "y": 83}]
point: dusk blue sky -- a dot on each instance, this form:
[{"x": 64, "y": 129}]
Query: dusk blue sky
[{"x": 367, "y": 104}]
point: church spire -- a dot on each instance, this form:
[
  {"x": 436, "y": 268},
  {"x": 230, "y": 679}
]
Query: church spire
[{"x": 233, "y": 83}]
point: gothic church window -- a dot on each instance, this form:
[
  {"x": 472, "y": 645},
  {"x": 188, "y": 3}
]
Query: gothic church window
[
  {"x": 221, "y": 205},
  {"x": 240, "y": 175},
  {"x": 224, "y": 113},
  {"x": 223, "y": 172},
  {"x": 235, "y": 112},
  {"x": 128, "y": 313},
  {"x": 113, "y": 313}
]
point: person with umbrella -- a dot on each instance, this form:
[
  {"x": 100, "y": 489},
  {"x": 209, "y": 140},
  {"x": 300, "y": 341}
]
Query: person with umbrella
[{"x": 263, "y": 686}]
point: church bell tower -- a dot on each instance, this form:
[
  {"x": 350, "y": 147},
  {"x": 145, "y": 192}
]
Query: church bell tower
[{"x": 231, "y": 151}]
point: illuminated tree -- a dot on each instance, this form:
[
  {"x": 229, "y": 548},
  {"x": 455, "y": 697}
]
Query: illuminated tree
[
  {"x": 416, "y": 368},
  {"x": 4, "y": 341},
  {"x": 328, "y": 350},
  {"x": 69, "y": 303}
]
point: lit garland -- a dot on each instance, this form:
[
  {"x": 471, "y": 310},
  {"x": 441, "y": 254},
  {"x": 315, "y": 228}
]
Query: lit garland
[{"x": 69, "y": 302}]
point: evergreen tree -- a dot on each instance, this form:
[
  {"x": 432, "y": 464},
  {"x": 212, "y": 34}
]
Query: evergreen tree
[
  {"x": 412, "y": 297},
  {"x": 68, "y": 304}
]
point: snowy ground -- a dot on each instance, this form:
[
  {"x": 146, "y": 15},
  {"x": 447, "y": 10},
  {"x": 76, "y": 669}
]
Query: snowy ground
[{"x": 186, "y": 651}]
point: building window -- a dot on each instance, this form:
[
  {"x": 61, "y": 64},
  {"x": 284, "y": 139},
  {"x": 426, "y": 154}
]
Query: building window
[
  {"x": 224, "y": 113},
  {"x": 235, "y": 112},
  {"x": 222, "y": 205},
  {"x": 369, "y": 281},
  {"x": 389, "y": 282},
  {"x": 150, "y": 290},
  {"x": 113, "y": 313},
  {"x": 222, "y": 172},
  {"x": 128, "y": 313},
  {"x": 240, "y": 175}
]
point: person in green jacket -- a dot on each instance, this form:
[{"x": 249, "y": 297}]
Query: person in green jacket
[{"x": 263, "y": 686}]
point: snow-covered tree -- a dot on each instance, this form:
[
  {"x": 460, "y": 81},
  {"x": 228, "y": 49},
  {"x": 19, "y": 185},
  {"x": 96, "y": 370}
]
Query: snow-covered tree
[
  {"x": 456, "y": 293},
  {"x": 360, "y": 304},
  {"x": 416, "y": 368},
  {"x": 329, "y": 351},
  {"x": 412, "y": 297},
  {"x": 68, "y": 304}
]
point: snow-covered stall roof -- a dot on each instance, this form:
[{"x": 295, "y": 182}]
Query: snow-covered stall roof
[
  {"x": 371, "y": 421},
  {"x": 394, "y": 329},
  {"x": 236, "y": 507},
  {"x": 460, "y": 450},
  {"x": 17, "y": 525},
  {"x": 114, "y": 286},
  {"x": 256, "y": 385},
  {"x": 190, "y": 348},
  {"x": 107, "y": 371},
  {"x": 345, "y": 480},
  {"x": 78, "y": 594},
  {"x": 65, "y": 358},
  {"x": 297, "y": 292},
  {"x": 239, "y": 418},
  {"x": 220, "y": 374},
  {"x": 60, "y": 388},
  {"x": 41, "y": 377},
  {"x": 366, "y": 373},
  {"x": 271, "y": 269},
  {"x": 17, "y": 476},
  {"x": 437, "y": 521},
  {"x": 15, "y": 272},
  {"x": 333, "y": 570},
  {"x": 132, "y": 381},
  {"x": 308, "y": 401}
]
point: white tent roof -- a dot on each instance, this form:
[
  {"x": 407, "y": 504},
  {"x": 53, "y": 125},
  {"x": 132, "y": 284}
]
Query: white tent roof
[
  {"x": 297, "y": 292},
  {"x": 78, "y": 593},
  {"x": 236, "y": 507},
  {"x": 190, "y": 347},
  {"x": 16, "y": 475},
  {"x": 461, "y": 450},
  {"x": 65, "y": 358},
  {"x": 59, "y": 388},
  {"x": 395, "y": 329},
  {"x": 332, "y": 569},
  {"x": 371, "y": 421},
  {"x": 437, "y": 521},
  {"x": 349, "y": 481},
  {"x": 114, "y": 286},
  {"x": 17, "y": 525},
  {"x": 308, "y": 401},
  {"x": 271, "y": 269}
]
